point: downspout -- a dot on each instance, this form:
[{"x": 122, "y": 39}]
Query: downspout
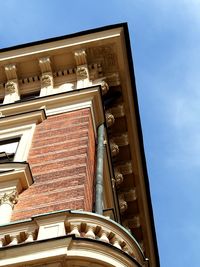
[{"x": 99, "y": 171}]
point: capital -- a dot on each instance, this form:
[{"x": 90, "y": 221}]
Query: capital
[{"x": 10, "y": 198}]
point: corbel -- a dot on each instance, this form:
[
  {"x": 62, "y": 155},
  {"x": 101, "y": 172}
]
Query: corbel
[
  {"x": 133, "y": 222},
  {"x": 125, "y": 168},
  {"x": 104, "y": 85},
  {"x": 121, "y": 140},
  {"x": 110, "y": 119},
  {"x": 123, "y": 206},
  {"x": 117, "y": 111},
  {"x": 46, "y": 77},
  {"x": 119, "y": 178},
  {"x": 12, "y": 84},
  {"x": 82, "y": 71},
  {"x": 114, "y": 148}
]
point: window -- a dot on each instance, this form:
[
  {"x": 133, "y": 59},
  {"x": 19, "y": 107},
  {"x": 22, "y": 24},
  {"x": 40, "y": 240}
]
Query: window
[
  {"x": 8, "y": 149},
  {"x": 16, "y": 134}
]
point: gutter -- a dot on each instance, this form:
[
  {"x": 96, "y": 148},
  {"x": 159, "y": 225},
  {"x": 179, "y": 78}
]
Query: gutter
[{"x": 99, "y": 171}]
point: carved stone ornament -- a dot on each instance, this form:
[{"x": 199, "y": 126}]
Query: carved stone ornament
[
  {"x": 82, "y": 72},
  {"x": 114, "y": 148},
  {"x": 118, "y": 178},
  {"x": 10, "y": 198},
  {"x": 110, "y": 119},
  {"x": 104, "y": 87},
  {"x": 10, "y": 87},
  {"x": 123, "y": 206},
  {"x": 46, "y": 80}
]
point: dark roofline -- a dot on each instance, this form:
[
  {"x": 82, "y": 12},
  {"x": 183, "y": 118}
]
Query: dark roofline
[
  {"x": 141, "y": 143},
  {"x": 63, "y": 37}
]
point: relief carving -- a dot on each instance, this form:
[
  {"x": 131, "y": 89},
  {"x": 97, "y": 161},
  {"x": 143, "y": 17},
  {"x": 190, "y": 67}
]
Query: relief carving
[
  {"x": 82, "y": 73},
  {"x": 104, "y": 87},
  {"x": 46, "y": 80},
  {"x": 114, "y": 148},
  {"x": 118, "y": 178},
  {"x": 10, "y": 87},
  {"x": 123, "y": 206},
  {"x": 110, "y": 119},
  {"x": 10, "y": 198}
]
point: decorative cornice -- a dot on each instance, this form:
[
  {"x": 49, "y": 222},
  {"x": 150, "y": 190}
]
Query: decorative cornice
[
  {"x": 17, "y": 175},
  {"x": 35, "y": 116}
]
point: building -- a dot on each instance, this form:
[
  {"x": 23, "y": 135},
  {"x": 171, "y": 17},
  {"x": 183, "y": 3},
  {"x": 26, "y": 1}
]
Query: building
[{"x": 73, "y": 181}]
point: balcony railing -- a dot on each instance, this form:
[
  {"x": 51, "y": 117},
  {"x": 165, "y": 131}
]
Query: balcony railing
[{"x": 80, "y": 224}]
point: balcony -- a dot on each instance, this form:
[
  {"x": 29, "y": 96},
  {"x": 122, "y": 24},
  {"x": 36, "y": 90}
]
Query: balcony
[{"x": 67, "y": 236}]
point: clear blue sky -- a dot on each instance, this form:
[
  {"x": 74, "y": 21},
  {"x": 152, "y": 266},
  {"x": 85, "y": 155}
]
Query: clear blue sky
[{"x": 165, "y": 38}]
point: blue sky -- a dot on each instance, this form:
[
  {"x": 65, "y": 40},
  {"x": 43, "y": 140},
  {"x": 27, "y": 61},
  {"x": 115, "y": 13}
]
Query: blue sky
[{"x": 165, "y": 39}]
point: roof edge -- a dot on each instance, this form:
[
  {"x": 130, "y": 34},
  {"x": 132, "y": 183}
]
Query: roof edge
[
  {"x": 140, "y": 136},
  {"x": 68, "y": 36}
]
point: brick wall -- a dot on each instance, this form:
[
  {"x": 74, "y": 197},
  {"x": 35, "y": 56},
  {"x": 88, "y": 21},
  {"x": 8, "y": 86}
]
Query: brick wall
[{"x": 62, "y": 159}]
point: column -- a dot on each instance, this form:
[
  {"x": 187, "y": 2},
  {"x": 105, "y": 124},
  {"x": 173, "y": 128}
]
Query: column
[{"x": 7, "y": 202}]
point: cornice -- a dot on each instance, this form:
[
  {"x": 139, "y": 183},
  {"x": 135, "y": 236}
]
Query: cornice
[
  {"x": 35, "y": 116},
  {"x": 13, "y": 171}
]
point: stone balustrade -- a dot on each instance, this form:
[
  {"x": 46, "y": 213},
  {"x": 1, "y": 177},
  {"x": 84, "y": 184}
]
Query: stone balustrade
[{"x": 83, "y": 225}]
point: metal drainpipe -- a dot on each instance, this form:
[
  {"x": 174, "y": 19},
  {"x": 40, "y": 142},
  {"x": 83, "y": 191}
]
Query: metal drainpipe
[{"x": 99, "y": 171}]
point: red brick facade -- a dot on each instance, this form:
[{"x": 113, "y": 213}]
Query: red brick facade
[{"x": 62, "y": 159}]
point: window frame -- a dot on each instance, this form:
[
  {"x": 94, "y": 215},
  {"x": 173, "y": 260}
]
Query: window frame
[{"x": 21, "y": 126}]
